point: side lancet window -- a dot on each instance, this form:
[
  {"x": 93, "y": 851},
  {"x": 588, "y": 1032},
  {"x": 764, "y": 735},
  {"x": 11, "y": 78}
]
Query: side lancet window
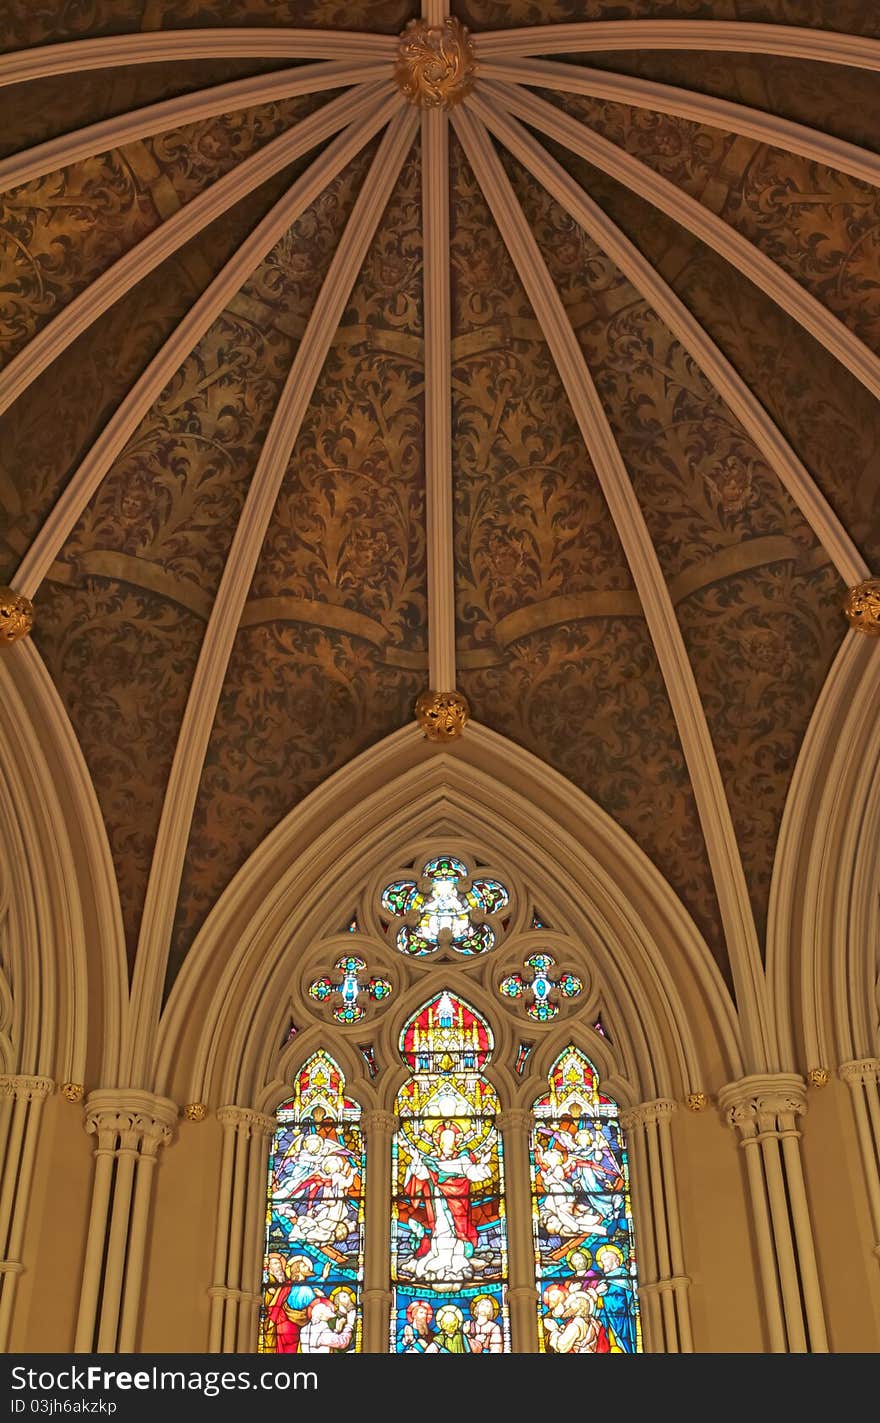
[
  {"x": 313, "y": 1267},
  {"x": 584, "y": 1249},
  {"x": 449, "y": 1238}
]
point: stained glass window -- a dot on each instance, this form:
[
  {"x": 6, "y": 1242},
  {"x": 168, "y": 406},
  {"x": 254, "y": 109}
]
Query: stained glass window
[
  {"x": 313, "y": 1267},
  {"x": 445, "y": 908},
  {"x": 539, "y": 989},
  {"x": 584, "y": 1250},
  {"x": 349, "y": 988},
  {"x": 449, "y": 1245}
]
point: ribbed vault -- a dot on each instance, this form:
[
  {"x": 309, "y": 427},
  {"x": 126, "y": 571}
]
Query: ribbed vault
[{"x": 566, "y": 396}]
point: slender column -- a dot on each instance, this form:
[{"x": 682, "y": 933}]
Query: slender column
[
  {"x": 378, "y": 1128},
  {"x": 262, "y": 1131},
  {"x": 871, "y": 1093},
  {"x": 862, "y": 1076},
  {"x": 515, "y": 1125},
  {"x": 236, "y": 1233},
  {"x": 241, "y": 1215},
  {"x": 26, "y": 1096},
  {"x": 9, "y": 1189},
  {"x": 676, "y": 1248},
  {"x": 226, "y": 1118},
  {"x": 633, "y": 1123},
  {"x": 663, "y": 1284},
  {"x": 102, "y": 1185},
  {"x": 130, "y": 1128},
  {"x": 143, "y": 1195},
  {"x": 803, "y": 1233},
  {"x": 114, "y": 1269},
  {"x": 764, "y": 1110}
]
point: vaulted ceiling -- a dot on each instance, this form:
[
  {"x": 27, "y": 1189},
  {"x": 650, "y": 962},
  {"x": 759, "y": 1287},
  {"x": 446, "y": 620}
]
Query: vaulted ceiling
[{"x": 565, "y": 395}]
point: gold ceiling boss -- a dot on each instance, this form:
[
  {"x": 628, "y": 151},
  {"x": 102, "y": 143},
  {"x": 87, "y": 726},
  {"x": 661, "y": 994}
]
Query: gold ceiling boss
[
  {"x": 862, "y": 607},
  {"x": 442, "y": 715},
  {"x": 16, "y": 615},
  {"x": 435, "y": 64}
]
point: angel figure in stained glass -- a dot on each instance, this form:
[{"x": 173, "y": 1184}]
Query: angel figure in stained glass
[
  {"x": 315, "y": 1190},
  {"x": 564, "y": 1209}
]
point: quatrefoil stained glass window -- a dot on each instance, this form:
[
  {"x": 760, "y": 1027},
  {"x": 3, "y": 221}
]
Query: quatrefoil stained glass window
[{"x": 445, "y": 908}]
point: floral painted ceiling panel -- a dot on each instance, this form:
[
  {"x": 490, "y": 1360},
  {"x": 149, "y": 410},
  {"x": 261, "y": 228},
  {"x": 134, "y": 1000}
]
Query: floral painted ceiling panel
[
  {"x": 223, "y": 583},
  {"x": 853, "y": 16},
  {"x": 30, "y": 22},
  {"x": 332, "y": 652},
  {"x": 553, "y": 649}
]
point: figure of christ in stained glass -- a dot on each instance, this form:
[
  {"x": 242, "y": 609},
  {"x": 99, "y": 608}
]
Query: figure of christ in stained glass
[
  {"x": 584, "y": 1248},
  {"x": 449, "y": 1247},
  {"x": 315, "y": 1219}
]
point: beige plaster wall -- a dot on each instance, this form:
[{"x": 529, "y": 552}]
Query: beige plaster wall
[
  {"x": 718, "y": 1247},
  {"x": 848, "y": 1269},
  {"x": 719, "y": 1251},
  {"x": 44, "y": 1316},
  {"x": 180, "y": 1257}
]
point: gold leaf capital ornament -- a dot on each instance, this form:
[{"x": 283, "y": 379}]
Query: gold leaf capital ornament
[
  {"x": 16, "y": 616},
  {"x": 862, "y": 607},
  {"x": 442, "y": 715},
  {"x": 435, "y": 63}
]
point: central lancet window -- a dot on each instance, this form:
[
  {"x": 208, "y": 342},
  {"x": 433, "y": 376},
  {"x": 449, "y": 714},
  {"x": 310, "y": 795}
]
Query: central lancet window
[{"x": 449, "y": 1235}]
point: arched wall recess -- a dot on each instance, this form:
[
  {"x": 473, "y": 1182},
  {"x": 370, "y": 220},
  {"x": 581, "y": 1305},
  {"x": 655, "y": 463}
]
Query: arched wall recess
[
  {"x": 824, "y": 920},
  {"x": 66, "y": 944},
  {"x": 63, "y": 975},
  {"x": 656, "y": 972},
  {"x": 822, "y": 942}
]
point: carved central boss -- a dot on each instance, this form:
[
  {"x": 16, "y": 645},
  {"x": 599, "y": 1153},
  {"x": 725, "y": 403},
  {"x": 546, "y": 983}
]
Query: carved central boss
[{"x": 435, "y": 63}]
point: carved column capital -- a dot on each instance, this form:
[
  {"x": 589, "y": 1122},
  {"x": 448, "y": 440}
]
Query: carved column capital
[
  {"x": 26, "y": 1088},
  {"x": 514, "y": 1119},
  {"x": 378, "y": 1123},
  {"x": 141, "y": 1122},
  {"x": 247, "y": 1121},
  {"x": 864, "y": 1069},
  {"x": 658, "y": 1110},
  {"x": 755, "y": 1105}
]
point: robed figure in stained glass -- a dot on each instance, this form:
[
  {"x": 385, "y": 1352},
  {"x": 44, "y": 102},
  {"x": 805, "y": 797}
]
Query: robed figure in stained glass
[
  {"x": 441, "y": 1183},
  {"x": 449, "y": 1236}
]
